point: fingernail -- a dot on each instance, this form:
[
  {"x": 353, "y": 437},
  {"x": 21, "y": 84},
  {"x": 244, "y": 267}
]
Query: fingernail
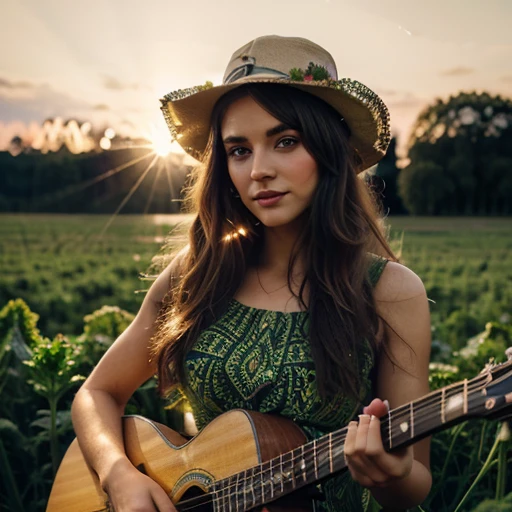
[
  {"x": 364, "y": 416},
  {"x": 373, "y": 417},
  {"x": 386, "y": 403}
]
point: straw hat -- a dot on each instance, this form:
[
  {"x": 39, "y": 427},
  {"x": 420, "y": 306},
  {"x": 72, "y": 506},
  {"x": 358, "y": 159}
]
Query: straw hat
[{"x": 293, "y": 61}]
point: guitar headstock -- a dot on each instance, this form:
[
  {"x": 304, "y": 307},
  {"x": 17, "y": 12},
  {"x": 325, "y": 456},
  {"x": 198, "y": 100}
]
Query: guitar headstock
[{"x": 495, "y": 396}]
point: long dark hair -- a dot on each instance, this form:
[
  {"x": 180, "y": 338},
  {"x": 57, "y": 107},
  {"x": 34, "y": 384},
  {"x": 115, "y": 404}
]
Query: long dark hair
[{"x": 341, "y": 230}]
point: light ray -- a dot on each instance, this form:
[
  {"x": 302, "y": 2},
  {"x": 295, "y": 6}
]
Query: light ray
[
  {"x": 61, "y": 194},
  {"x": 130, "y": 193},
  {"x": 152, "y": 192},
  {"x": 169, "y": 179}
]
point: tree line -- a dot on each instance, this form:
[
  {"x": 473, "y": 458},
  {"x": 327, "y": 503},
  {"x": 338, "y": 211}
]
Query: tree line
[
  {"x": 460, "y": 160},
  {"x": 95, "y": 182},
  {"x": 459, "y": 154}
]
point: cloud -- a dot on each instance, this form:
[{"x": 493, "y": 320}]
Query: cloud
[
  {"x": 110, "y": 82},
  {"x": 8, "y": 84},
  {"x": 38, "y": 103},
  {"x": 404, "y": 100},
  {"x": 101, "y": 107},
  {"x": 506, "y": 78},
  {"x": 387, "y": 92},
  {"x": 458, "y": 71}
]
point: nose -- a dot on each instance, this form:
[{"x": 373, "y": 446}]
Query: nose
[{"x": 262, "y": 166}]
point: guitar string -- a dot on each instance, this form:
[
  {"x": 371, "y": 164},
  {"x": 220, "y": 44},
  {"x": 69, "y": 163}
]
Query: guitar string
[
  {"x": 228, "y": 495},
  {"x": 340, "y": 436},
  {"x": 339, "y": 439}
]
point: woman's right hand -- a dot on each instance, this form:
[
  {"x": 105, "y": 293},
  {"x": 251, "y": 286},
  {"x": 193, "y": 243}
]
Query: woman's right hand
[{"x": 129, "y": 490}]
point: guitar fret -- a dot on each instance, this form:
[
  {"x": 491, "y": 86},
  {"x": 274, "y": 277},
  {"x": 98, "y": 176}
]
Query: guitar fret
[
  {"x": 237, "y": 484},
  {"x": 315, "y": 459},
  {"x": 229, "y": 495},
  {"x": 252, "y": 488},
  {"x": 244, "y": 490},
  {"x": 271, "y": 481},
  {"x": 215, "y": 500},
  {"x": 281, "y": 471},
  {"x": 443, "y": 397},
  {"x": 303, "y": 465},
  {"x": 465, "y": 396},
  {"x": 223, "y": 497},
  {"x": 412, "y": 419},
  {"x": 330, "y": 453},
  {"x": 262, "y": 483},
  {"x": 390, "y": 426}
]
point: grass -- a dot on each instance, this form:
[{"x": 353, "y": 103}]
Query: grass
[{"x": 66, "y": 266}]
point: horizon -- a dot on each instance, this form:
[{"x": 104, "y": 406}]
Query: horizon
[{"x": 109, "y": 63}]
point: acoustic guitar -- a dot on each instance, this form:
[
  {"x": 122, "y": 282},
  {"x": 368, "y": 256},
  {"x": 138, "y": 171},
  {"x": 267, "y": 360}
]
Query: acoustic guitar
[{"x": 243, "y": 460}]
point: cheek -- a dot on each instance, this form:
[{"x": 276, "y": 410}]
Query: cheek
[{"x": 305, "y": 172}]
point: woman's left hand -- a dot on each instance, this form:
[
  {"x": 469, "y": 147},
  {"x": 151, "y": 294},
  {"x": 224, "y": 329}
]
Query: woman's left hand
[{"x": 369, "y": 464}]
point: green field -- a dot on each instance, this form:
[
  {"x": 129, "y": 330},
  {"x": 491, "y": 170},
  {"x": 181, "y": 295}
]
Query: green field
[{"x": 67, "y": 266}]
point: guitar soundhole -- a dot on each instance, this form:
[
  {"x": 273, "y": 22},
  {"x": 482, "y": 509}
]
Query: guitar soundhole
[{"x": 196, "y": 501}]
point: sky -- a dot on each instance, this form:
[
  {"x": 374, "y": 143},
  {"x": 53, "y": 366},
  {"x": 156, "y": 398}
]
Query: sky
[{"x": 109, "y": 61}]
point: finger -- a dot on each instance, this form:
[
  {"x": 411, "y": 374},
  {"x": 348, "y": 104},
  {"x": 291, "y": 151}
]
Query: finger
[
  {"x": 374, "y": 446},
  {"x": 350, "y": 439},
  {"x": 377, "y": 407},
  {"x": 393, "y": 464},
  {"x": 362, "y": 434},
  {"x": 161, "y": 501},
  {"x": 363, "y": 469},
  {"x": 366, "y": 474}
]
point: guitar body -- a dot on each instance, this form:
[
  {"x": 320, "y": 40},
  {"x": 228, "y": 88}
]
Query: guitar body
[
  {"x": 235, "y": 441},
  {"x": 243, "y": 459}
]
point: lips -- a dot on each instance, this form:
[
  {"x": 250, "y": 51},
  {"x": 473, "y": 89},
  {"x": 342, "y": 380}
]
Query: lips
[
  {"x": 266, "y": 194},
  {"x": 269, "y": 197}
]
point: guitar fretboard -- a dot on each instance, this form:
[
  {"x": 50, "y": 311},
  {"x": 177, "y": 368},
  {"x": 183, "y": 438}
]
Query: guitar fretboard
[{"x": 322, "y": 457}]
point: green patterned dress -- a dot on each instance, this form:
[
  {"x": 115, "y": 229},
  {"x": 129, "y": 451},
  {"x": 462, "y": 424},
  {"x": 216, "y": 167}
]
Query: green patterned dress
[{"x": 260, "y": 360}]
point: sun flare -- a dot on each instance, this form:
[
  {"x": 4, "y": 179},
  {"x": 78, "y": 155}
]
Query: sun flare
[{"x": 161, "y": 142}]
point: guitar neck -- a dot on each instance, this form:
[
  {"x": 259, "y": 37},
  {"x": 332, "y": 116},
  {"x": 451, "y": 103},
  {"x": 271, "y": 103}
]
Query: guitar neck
[{"x": 324, "y": 456}]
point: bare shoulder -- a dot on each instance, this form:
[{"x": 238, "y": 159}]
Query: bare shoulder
[
  {"x": 402, "y": 305},
  {"x": 398, "y": 283}
]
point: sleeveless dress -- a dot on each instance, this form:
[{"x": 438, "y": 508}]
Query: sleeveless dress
[{"x": 260, "y": 360}]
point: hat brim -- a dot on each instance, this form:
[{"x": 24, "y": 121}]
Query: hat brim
[{"x": 188, "y": 113}]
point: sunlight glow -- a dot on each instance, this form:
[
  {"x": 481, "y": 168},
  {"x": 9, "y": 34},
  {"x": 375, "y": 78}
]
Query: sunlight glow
[
  {"x": 161, "y": 141},
  {"x": 105, "y": 143},
  {"x": 235, "y": 234}
]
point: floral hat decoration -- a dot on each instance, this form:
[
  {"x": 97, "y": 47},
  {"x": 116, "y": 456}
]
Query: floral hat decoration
[{"x": 293, "y": 61}]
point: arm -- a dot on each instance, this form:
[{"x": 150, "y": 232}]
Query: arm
[
  {"x": 99, "y": 405},
  {"x": 400, "y": 479}
]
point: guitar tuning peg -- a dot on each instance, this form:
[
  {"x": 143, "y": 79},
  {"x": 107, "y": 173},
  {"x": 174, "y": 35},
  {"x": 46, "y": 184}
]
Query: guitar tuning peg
[{"x": 508, "y": 353}]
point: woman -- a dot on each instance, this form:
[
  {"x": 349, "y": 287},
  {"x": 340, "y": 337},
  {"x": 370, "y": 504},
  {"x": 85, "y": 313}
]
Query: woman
[{"x": 280, "y": 303}]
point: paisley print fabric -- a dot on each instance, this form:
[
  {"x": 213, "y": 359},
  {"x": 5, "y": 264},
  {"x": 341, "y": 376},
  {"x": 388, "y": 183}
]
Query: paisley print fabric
[{"x": 261, "y": 360}]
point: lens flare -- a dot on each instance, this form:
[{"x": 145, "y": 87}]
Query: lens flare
[{"x": 160, "y": 142}]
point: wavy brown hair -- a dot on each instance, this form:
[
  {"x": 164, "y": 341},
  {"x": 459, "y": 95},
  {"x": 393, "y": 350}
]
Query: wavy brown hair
[{"x": 342, "y": 227}]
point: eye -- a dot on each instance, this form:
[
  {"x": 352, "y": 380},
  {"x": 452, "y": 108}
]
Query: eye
[
  {"x": 287, "y": 142},
  {"x": 237, "y": 152}
]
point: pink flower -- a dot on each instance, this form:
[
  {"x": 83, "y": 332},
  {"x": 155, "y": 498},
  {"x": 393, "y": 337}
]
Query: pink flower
[{"x": 308, "y": 78}]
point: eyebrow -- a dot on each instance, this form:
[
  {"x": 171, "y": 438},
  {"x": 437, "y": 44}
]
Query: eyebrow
[{"x": 270, "y": 133}]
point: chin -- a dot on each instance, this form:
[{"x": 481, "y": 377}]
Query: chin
[{"x": 271, "y": 221}]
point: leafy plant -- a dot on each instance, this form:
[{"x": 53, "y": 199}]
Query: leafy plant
[{"x": 51, "y": 373}]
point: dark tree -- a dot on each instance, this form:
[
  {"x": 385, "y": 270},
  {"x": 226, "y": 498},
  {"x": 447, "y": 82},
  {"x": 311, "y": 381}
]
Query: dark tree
[
  {"x": 469, "y": 137},
  {"x": 384, "y": 182}
]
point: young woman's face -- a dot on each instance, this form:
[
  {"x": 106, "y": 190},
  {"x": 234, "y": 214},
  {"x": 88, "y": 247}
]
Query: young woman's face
[{"x": 268, "y": 164}]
